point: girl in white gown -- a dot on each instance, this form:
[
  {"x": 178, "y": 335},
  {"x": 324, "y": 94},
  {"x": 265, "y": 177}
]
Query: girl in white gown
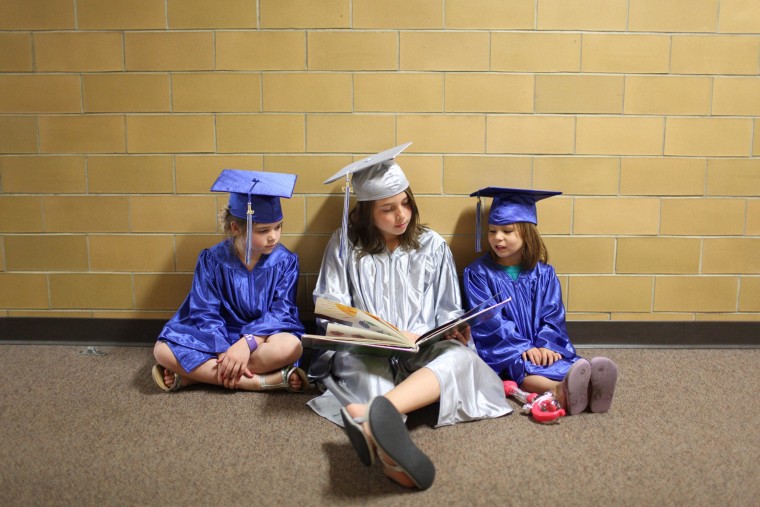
[{"x": 386, "y": 263}]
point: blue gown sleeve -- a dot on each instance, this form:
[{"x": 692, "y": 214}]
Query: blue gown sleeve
[
  {"x": 497, "y": 340},
  {"x": 198, "y": 324}
]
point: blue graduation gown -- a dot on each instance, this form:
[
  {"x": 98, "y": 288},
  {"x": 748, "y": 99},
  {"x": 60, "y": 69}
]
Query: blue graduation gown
[
  {"x": 226, "y": 300},
  {"x": 534, "y": 318}
]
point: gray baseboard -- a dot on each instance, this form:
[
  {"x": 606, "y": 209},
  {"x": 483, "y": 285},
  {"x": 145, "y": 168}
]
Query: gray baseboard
[{"x": 584, "y": 334}]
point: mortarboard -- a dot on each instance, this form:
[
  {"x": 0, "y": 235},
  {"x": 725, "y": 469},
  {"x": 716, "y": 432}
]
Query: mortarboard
[
  {"x": 509, "y": 205},
  {"x": 255, "y": 197},
  {"x": 375, "y": 177}
]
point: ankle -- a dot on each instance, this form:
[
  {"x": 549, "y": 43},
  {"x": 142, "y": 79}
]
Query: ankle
[{"x": 357, "y": 410}]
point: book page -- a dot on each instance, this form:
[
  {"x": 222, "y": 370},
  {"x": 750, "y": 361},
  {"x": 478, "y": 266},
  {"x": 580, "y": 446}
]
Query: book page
[
  {"x": 352, "y": 334},
  {"x": 354, "y": 317},
  {"x": 356, "y": 346},
  {"x": 483, "y": 311}
]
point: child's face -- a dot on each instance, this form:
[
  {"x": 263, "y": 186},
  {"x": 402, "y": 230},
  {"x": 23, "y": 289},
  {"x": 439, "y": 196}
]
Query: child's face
[
  {"x": 506, "y": 244},
  {"x": 392, "y": 214},
  {"x": 264, "y": 237}
]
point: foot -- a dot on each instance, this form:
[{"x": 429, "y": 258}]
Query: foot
[
  {"x": 295, "y": 382},
  {"x": 604, "y": 375},
  {"x": 271, "y": 381},
  {"x": 168, "y": 378},
  {"x": 559, "y": 394},
  {"x": 390, "y": 467},
  {"x": 394, "y": 472},
  {"x": 575, "y": 387}
]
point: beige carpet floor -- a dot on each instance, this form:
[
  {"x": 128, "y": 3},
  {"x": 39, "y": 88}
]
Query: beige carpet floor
[{"x": 83, "y": 429}]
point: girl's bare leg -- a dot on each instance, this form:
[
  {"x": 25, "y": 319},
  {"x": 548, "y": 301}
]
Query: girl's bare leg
[
  {"x": 208, "y": 373},
  {"x": 419, "y": 390},
  {"x": 539, "y": 384},
  {"x": 274, "y": 353}
]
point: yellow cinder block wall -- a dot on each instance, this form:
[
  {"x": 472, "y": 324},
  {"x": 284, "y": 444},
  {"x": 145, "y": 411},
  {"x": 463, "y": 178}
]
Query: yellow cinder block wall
[{"x": 117, "y": 115}]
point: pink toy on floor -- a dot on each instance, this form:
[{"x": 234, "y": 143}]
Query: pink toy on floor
[{"x": 544, "y": 408}]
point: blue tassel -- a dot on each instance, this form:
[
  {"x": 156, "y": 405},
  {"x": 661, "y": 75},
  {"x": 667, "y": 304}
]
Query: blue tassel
[
  {"x": 478, "y": 225},
  {"x": 249, "y": 224},
  {"x": 248, "y": 233}
]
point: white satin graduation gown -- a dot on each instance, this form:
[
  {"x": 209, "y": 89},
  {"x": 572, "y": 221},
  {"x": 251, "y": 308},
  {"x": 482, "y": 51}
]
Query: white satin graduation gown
[{"x": 416, "y": 291}]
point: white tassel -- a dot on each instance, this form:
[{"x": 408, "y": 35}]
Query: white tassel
[{"x": 344, "y": 221}]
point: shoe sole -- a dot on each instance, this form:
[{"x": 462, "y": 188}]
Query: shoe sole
[
  {"x": 576, "y": 384},
  {"x": 604, "y": 375},
  {"x": 358, "y": 439},
  {"x": 392, "y": 438}
]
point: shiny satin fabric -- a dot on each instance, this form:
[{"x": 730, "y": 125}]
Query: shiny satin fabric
[
  {"x": 415, "y": 291},
  {"x": 534, "y": 318},
  {"x": 226, "y": 300}
]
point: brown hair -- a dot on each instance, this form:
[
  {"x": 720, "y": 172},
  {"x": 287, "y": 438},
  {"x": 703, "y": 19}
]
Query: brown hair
[
  {"x": 534, "y": 249},
  {"x": 367, "y": 237}
]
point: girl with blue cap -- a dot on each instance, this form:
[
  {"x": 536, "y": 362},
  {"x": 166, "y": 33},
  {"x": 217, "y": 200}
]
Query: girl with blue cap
[
  {"x": 239, "y": 326},
  {"x": 528, "y": 342}
]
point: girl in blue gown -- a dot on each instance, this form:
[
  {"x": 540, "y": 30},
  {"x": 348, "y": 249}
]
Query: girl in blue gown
[
  {"x": 239, "y": 326},
  {"x": 527, "y": 342}
]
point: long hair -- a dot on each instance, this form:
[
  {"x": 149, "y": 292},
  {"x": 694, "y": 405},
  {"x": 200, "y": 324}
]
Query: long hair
[
  {"x": 534, "y": 249},
  {"x": 367, "y": 237}
]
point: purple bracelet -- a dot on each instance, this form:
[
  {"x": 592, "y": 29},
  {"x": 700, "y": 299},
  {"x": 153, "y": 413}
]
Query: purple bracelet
[{"x": 251, "y": 341}]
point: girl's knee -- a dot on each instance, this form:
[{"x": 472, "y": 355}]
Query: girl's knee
[
  {"x": 295, "y": 348},
  {"x": 288, "y": 346},
  {"x": 163, "y": 353}
]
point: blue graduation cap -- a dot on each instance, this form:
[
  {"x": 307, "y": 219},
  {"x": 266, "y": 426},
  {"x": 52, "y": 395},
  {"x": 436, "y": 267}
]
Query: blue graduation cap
[
  {"x": 255, "y": 197},
  {"x": 509, "y": 205},
  {"x": 375, "y": 177}
]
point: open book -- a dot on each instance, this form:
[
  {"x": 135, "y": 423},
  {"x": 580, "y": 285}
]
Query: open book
[{"x": 361, "y": 332}]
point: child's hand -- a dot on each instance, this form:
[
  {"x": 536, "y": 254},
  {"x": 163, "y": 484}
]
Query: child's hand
[
  {"x": 541, "y": 356},
  {"x": 233, "y": 364},
  {"x": 412, "y": 336},
  {"x": 462, "y": 336}
]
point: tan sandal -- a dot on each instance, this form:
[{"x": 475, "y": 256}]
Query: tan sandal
[
  {"x": 285, "y": 384},
  {"x": 158, "y": 377}
]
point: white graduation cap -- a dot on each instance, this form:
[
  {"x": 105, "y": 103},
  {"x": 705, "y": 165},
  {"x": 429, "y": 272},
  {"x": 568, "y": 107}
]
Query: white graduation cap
[{"x": 375, "y": 177}]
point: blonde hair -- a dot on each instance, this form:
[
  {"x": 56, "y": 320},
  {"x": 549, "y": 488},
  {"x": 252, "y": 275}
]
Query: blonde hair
[{"x": 226, "y": 218}]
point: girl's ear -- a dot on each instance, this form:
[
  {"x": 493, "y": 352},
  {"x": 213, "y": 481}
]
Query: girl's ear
[{"x": 234, "y": 228}]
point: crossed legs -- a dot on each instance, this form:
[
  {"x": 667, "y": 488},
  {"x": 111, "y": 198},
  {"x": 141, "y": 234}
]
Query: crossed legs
[{"x": 273, "y": 353}]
